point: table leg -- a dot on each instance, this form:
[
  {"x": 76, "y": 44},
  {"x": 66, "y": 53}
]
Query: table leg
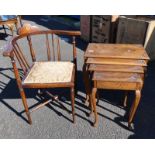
[
  {"x": 94, "y": 90},
  {"x": 125, "y": 99},
  {"x": 87, "y": 88},
  {"x": 134, "y": 107},
  {"x": 86, "y": 82}
]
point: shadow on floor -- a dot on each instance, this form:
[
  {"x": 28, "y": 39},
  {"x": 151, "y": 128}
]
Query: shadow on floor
[
  {"x": 11, "y": 91},
  {"x": 144, "y": 123},
  {"x": 144, "y": 119}
]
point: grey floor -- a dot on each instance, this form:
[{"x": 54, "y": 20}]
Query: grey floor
[{"x": 53, "y": 121}]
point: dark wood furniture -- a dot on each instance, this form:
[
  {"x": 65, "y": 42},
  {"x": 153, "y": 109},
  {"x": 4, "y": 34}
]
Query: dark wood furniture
[
  {"x": 50, "y": 73},
  {"x": 115, "y": 67},
  {"x": 10, "y": 21}
]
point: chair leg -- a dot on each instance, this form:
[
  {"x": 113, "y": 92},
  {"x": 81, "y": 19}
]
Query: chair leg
[
  {"x": 134, "y": 107},
  {"x": 22, "y": 93},
  {"x": 73, "y": 102}
]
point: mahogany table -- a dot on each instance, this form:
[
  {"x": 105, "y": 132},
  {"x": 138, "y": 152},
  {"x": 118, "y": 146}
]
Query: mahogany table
[{"x": 115, "y": 67}]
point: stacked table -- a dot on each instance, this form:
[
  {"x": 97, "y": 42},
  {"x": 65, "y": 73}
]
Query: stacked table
[{"x": 115, "y": 67}]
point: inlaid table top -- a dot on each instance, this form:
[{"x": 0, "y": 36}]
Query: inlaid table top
[
  {"x": 108, "y": 61},
  {"x": 116, "y": 68},
  {"x": 125, "y": 51},
  {"x": 116, "y": 77}
]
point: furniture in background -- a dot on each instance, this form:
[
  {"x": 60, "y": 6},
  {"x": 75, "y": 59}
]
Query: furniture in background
[
  {"x": 11, "y": 21},
  {"x": 42, "y": 74},
  {"x": 114, "y": 67}
]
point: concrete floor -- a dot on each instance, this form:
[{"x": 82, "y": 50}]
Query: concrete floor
[{"x": 52, "y": 121}]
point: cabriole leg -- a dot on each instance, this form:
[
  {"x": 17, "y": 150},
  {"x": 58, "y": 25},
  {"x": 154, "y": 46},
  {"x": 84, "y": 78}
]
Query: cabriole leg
[
  {"x": 94, "y": 106},
  {"x": 134, "y": 107}
]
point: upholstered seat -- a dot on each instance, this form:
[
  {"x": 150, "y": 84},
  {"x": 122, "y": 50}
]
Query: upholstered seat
[{"x": 50, "y": 72}]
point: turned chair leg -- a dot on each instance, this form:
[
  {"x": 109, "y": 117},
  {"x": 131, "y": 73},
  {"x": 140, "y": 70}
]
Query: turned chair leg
[
  {"x": 94, "y": 106},
  {"x": 73, "y": 102},
  {"x": 134, "y": 107},
  {"x": 22, "y": 93}
]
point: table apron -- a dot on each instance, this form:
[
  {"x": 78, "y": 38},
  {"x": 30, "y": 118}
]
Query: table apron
[{"x": 118, "y": 85}]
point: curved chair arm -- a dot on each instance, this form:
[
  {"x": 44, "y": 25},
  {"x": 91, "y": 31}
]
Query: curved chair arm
[
  {"x": 27, "y": 28},
  {"x": 8, "y": 52}
]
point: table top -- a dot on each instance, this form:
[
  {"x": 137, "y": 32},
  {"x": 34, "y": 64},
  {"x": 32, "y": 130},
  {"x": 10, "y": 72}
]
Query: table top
[
  {"x": 108, "y": 61},
  {"x": 116, "y": 68},
  {"x": 117, "y": 77},
  {"x": 125, "y": 51}
]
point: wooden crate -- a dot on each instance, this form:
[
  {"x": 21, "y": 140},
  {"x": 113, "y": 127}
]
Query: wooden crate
[
  {"x": 100, "y": 28},
  {"x": 131, "y": 30},
  {"x": 137, "y": 30},
  {"x": 85, "y": 27},
  {"x": 150, "y": 40}
]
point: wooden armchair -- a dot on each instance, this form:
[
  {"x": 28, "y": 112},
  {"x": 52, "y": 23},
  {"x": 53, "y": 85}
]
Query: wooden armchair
[{"x": 42, "y": 74}]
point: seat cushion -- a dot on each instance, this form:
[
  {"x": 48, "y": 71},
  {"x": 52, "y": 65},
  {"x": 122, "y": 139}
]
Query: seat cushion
[{"x": 50, "y": 72}]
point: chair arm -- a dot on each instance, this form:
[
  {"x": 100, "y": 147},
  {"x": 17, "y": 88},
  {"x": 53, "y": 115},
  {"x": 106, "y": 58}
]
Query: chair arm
[
  {"x": 8, "y": 52},
  {"x": 27, "y": 28}
]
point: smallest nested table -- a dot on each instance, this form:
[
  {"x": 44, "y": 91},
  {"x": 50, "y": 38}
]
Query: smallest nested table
[{"x": 115, "y": 67}]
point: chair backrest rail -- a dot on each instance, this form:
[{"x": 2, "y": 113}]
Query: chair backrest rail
[
  {"x": 74, "y": 48},
  {"x": 51, "y": 42},
  {"x": 53, "y": 47},
  {"x": 31, "y": 49},
  {"x": 20, "y": 62},
  {"x": 22, "y": 56},
  {"x": 48, "y": 48},
  {"x": 58, "y": 49}
]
